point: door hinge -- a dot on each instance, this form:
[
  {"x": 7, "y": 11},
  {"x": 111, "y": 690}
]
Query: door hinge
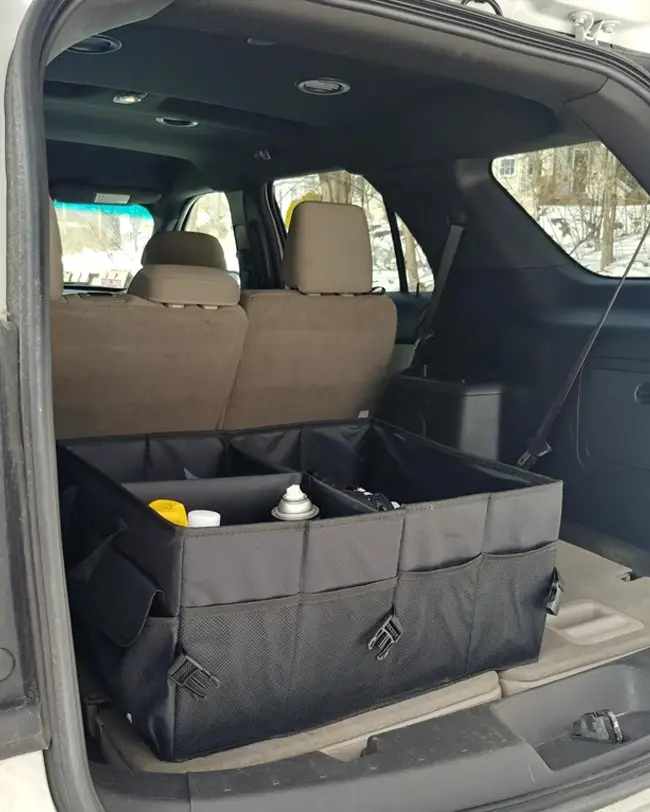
[{"x": 587, "y": 29}]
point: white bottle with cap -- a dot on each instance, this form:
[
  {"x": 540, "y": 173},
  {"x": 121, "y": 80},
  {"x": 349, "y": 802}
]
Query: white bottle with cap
[
  {"x": 203, "y": 518},
  {"x": 295, "y": 506}
]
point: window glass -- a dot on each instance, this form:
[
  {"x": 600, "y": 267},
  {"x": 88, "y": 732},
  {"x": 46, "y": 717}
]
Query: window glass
[
  {"x": 586, "y": 201},
  {"x": 343, "y": 187},
  {"x": 102, "y": 245},
  {"x": 211, "y": 215}
]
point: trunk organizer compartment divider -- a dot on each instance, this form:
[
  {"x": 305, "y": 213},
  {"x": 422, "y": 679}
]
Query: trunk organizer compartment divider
[
  {"x": 259, "y": 627},
  {"x": 248, "y": 499}
]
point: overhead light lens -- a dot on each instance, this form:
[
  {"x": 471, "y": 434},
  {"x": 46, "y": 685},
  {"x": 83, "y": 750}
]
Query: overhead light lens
[
  {"x": 96, "y": 45},
  {"x": 177, "y": 122},
  {"x": 129, "y": 97},
  {"x": 323, "y": 86}
]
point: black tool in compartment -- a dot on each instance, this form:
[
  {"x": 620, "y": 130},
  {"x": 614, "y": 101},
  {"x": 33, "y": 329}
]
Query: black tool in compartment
[{"x": 598, "y": 726}]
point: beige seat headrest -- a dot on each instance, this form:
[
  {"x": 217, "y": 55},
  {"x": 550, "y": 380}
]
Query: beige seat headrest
[
  {"x": 184, "y": 248},
  {"x": 328, "y": 249},
  {"x": 56, "y": 256},
  {"x": 185, "y": 285}
]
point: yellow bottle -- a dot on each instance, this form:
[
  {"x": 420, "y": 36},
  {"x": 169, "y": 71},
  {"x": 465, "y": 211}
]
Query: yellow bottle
[{"x": 173, "y": 511}]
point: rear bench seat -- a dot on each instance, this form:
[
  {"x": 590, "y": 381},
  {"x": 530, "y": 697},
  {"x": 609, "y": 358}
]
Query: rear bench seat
[
  {"x": 161, "y": 358},
  {"x": 317, "y": 350}
]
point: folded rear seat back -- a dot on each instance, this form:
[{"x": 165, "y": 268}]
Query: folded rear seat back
[
  {"x": 214, "y": 638},
  {"x": 161, "y": 358},
  {"x": 320, "y": 348}
]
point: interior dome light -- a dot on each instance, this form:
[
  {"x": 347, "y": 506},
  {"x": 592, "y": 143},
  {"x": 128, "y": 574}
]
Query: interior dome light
[
  {"x": 129, "y": 97},
  {"x": 177, "y": 122},
  {"x": 96, "y": 45},
  {"x": 323, "y": 86}
]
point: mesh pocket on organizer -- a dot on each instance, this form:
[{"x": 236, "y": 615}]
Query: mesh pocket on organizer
[
  {"x": 335, "y": 673},
  {"x": 510, "y": 608},
  {"x": 435, "y": 609},
  {"x": 248, "y": 648}
]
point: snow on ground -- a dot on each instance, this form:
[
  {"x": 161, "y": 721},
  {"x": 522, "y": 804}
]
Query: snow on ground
[
  {"x": 569, "y": 227},
  {"x": 624, "y": 249}
]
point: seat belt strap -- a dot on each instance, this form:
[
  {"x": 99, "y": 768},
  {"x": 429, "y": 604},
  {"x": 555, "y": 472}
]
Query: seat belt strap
[
  {"x": 455, "y": 233},
  {"x": 538, "y": 445}
]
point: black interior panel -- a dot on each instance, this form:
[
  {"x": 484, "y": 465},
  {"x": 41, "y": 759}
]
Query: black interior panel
[
  {"x": 517, "y": 311},
  {"x": 614, "y": 413},
  {"x": 409, "y": 311}
]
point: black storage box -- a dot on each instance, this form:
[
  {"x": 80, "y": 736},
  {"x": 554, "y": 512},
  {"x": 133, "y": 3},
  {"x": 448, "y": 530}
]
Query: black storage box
[
  {"x": 466, "y": 416},
  {"x": 216, "y": 637}
]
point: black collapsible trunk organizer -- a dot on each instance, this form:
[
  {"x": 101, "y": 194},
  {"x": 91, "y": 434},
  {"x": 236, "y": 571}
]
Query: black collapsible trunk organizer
[{"x": 216, "y": 637}]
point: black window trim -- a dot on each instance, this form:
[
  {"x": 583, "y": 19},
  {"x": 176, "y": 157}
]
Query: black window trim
[{"x": 398, "y": 248}]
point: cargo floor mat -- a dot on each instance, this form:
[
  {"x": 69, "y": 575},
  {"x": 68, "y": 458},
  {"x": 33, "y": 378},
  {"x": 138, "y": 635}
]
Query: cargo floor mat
[{"x": 345, "y": 740}]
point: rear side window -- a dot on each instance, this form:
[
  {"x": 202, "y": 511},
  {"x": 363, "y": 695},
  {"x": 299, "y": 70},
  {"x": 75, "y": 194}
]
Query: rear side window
[
  {"x": 211, "y": 215},
  {"x": 585, "y": 200},
  {"x": 102, "y": 244},
  {"x": 343, "y": 187}
]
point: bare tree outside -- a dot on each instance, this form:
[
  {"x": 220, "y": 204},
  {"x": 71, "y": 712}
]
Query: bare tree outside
[
  {"x": 410, "y": 259},
  {"x": 585, "y": 200},
  {"x": 211, "y": 215},
  {"x": 336, "y": 187},
  {"x": 609, "y": 223}
]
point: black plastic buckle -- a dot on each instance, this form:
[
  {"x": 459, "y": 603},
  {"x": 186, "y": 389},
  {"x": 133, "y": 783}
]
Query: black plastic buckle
[
  {"x": 381, "y": 502},
  {"x": 555, "y": 593},
  {"x": 386, "y": 636},
  {"x": 534, "y": 452},
  {"x": 187, "y": 673},
  {"x": 91, "y": 704}
]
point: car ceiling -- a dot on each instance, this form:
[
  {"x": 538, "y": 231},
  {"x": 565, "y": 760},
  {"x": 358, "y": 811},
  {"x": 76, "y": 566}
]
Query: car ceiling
[{"x": 244, "y": 97}]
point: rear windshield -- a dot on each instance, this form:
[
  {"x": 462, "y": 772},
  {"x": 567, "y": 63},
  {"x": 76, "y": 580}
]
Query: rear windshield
[{"x": 102, "y": 244}]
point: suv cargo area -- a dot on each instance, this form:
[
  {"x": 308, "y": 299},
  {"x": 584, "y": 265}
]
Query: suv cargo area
[{"x": 315, "y": 278}]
